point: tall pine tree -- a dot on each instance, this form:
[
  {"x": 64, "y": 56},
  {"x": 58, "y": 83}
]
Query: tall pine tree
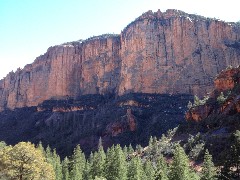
[
  {"x": 209, "y": 171},
  {"x": 116, "y": 166},
  {"x": 65, "y": 169},
  {"x": 98, "y": 162},
  {"x": 78, "y": 163},
  {"x": 57, "y": 165},
  {"x": 135, "y": 169},
  {"x": 180, "y": 168},
  {"x": 149, "y": 170},
  {"x": 161, "y": 172}
]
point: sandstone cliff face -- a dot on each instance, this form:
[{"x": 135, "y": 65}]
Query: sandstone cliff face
[
  {"x": 174, "y": 52},
  {"x": 68, "y": 70},
  {"x": 170, "y": 52}
]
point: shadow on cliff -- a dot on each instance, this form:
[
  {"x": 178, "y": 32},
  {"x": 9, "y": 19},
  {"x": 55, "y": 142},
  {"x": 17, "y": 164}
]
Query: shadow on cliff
[{"x": 62, "y": 124}]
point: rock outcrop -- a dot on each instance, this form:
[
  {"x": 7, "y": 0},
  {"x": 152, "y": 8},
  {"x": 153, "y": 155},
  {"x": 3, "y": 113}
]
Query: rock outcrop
[
  {"x": 162, "y": 52},
  {"x": 223, "y": 100}
]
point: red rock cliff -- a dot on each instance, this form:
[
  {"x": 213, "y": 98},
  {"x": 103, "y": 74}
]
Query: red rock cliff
[
  {"x": 227, "y": 83},
  {"x": 170, "y": 52},
  {"x": 71, "y": 69}
]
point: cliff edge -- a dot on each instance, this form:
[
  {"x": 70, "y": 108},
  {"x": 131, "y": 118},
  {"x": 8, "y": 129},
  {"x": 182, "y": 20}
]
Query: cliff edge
[{"x": 160, "y": 52}]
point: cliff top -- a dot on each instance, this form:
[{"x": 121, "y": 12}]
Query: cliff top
[
  {"x": 102, "y": 36},
  {"x": 171, "y": 13}
]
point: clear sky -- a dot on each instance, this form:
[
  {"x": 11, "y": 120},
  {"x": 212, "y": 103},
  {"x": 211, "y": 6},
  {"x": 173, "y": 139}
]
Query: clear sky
[{"x": 29, "y": 27}]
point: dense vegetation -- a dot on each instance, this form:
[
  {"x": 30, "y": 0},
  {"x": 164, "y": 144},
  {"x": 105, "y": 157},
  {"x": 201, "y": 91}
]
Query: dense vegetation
[{"x": 163, "y": 159}]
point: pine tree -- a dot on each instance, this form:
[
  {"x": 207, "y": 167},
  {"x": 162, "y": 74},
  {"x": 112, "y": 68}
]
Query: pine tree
[
  {"x": 209, "y": 171},
  {"x": 149, "y": 170},
  {"x": 116, "y": 166},
  {"x": 190, "y": 105},
  {"x": 232, "y": 159},
  {"x": 98, "y": 161},
  {"x": 40, "y": 147},
  {"x": 125, "y": 151},
  {"x": 180, "y": 168},
  {"x": 57, "y": 165},
  {"x": 109, "y": 166},
  {"x": 49, "y": 155},
  {"x": 139, "y": 149},
  {"x": 135, "y": 169},
  {"x": 161, "y": 172},
  {"x": 24, "y": 161},
  {"x": 78, "y": 163},
  {"x": 155, "y": 146},
  {"x": 65, "y": 169},
  {"x": 87, "y": 171},
  {"x": 197, "y": 101},
  {"x": 150, "y": 143},
  {"x": 130, "y": 149}
]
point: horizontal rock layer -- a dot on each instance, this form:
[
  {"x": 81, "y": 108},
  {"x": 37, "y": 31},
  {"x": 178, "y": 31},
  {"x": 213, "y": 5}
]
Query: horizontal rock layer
[{"x": 171, "y": 52}]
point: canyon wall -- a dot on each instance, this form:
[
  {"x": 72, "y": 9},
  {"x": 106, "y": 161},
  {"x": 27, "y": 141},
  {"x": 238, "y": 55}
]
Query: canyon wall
[
  {"x": 170, "y": 52},
  {"x": 68, "y": 70}
]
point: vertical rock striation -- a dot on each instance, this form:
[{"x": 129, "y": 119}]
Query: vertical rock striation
[
  {"x": 169, "y": 52},
  {"x": 68, "y": 70},
  {"x": 174, "y": 52}
]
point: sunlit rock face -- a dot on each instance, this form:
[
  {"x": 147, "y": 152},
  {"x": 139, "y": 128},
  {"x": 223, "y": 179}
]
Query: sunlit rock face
[
  {"x": 161, "y": 52},
  {"x": 226, "y": 83}
]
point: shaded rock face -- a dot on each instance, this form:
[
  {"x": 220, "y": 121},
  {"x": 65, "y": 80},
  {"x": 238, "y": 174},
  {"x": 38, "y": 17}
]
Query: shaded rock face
[
  {"x": 170, "y": 52},
  {"x": 93, "y": 116}
]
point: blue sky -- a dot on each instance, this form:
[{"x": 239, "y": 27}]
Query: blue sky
[{"x": 29, "y": 27}]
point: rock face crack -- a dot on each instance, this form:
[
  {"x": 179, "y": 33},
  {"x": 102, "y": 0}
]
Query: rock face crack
[{"x": 160, "y": 52}]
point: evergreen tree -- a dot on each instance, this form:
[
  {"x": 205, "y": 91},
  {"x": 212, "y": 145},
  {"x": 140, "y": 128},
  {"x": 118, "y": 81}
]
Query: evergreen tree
[
  {"x": 98, "y": 162},
  {"x": 190, "y": 105},
  {"x": 40, "y": 147},
  {"x": 24, "y": 161},
  {"x": 155, "y": 146},
  {"x": 209, "y": 171},
  {"x": 221, "y": 99},
  {"x": 65, "y": 169},
  {"x": 139, "y": 149},
  {"x": 116, "y": 166},
  {"x": 235, "y": 151},
  {"x": 87, "y": 171},
  {"x": 49, "y": 155},
  {"x": 197, "y": 101},
  {"x": 149, "y": 170},
  {"x": 78, "y": 163},
  {"x": 150, "y": 143},
  {"x": 135, "y": 169},
  {"x": 109, "y": 166},
  {"x": 161, "y": 169},
  {"x": 232, "y": 159},
  {"x": 180, "y": 168},
  {"x": 100, "y": 144},
  {"x": 57, "y": 165},
  {"x": 149, "y": 149},
  {"x": 130, "y": 149},
  {"x": 125, "y": 151}
]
